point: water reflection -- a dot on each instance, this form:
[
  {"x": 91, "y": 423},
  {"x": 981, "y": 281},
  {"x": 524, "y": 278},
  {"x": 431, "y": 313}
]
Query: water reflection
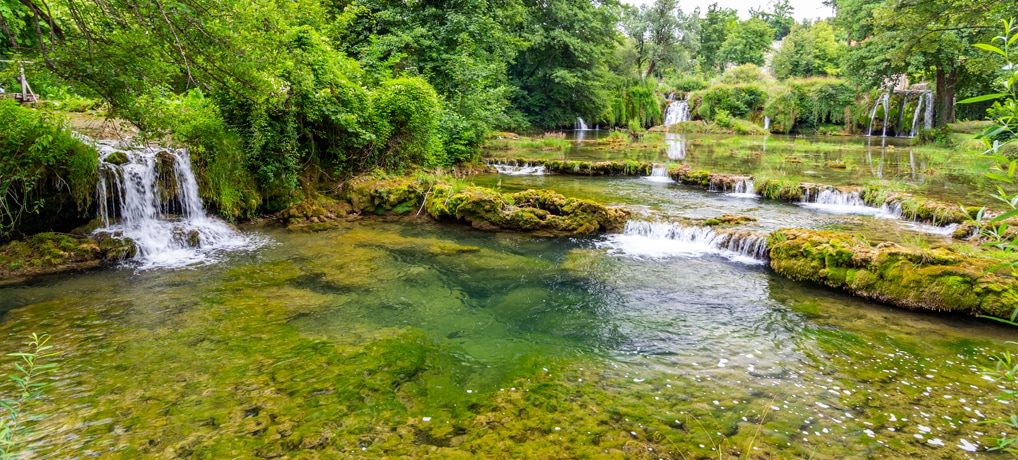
[{"x": 676, "y": 149}]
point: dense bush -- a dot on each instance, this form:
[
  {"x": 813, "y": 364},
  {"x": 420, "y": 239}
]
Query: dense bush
[
  {"x": 44, "y": 171},
  {"x": 407, "y": 113},
  {"x": 738, "y": 100},
  {"x": 810, "y": 103},
  {"x": 635, "y": 106},
  {"x": 746, "y": 73}
]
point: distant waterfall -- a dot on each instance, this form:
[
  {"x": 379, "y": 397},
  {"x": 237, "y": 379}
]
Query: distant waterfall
[
  {"x": 581, "y": 125},
  {"x": 678, "y": 112},
  {"x": 150, "y": 195},
  {"x": 659, "y": 174},
  {"x": 665, "y": 239},
  {"x": 767, "y": 123},
  {"x": 923, "y": 107},
  {"x": 513, "y": 168}
]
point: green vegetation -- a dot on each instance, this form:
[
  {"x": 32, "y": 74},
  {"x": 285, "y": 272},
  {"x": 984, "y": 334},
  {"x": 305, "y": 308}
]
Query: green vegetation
[
  {"x": 31, "y": 367},
  {"x": 47, "y": 177}
]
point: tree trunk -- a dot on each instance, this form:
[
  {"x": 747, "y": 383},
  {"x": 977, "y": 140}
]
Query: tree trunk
[{"x": 944, "y": 96}]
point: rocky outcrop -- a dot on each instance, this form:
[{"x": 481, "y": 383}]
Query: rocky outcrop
[
  {"x": 538, "y": 211},
  {"x": 937, "y": 279}
]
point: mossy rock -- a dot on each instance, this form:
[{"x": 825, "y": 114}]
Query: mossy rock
[
  {"x": 46, "y": 253},
  {"x": 117, "y": 158},
  {"x": 115, "y": 249},
  {"x": 935, "y": 279}
]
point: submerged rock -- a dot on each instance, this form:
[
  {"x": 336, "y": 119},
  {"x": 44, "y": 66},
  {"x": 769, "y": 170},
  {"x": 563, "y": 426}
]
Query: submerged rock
[{"x": 937, "y": 279}]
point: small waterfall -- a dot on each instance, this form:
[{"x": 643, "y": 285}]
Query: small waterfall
[
  {"x": 664, "y": 239},
  {"x": 150, "y": 195},
  {"x": 928, "y": 120},
  {"x": 873, "y": 114},
  {"x": 659, "y": 174},
  {"x": 887, "y": 112},
  {"x": 581, "y": 125},
  {"x": 511, "y": 168},
  {"x": 744, "y": 189},
  {"x": 767, "y": 123},
  {"x": 915, "y": 116},
  {"x": 677, "y": 112},
  {"x": 839, "y": 202}
]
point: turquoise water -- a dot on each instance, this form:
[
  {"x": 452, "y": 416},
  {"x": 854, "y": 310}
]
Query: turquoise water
[{"x": 410, "y": 338}]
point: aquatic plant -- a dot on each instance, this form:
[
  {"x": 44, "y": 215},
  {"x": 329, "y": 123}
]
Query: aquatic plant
[{"x": 30, "y": 368}]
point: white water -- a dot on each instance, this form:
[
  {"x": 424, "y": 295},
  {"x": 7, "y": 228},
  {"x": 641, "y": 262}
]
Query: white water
[
  {"x": 518, "y": 170},
  {"x": 744, "y": 189},
  {"x": 677, "y": 112},
  {"x": 767, "y": 123},
  {"x": 839, "y": 202},
  {"x": 915, "y": 116},
  {"x": 659, "y": 174},
  {"x": 131, "y": 205},
  {"x": 581, "y": 125},
  {"x": 663, "y": 240}
]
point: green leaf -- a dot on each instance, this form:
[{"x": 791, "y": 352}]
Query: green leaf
[
  {"x": 1005, "y": 216},
  {"x": 990, "y": 48},
  {"x": 985, "y": 97}
]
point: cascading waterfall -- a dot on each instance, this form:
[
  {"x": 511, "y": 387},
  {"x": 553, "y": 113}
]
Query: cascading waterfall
[
  {"x": 665, "y": 239},
  {"x": 512, "y": 168},
  {"x": 677, "y": 112},
  {"x": 150, "y": 195},
  {"x": 744, "y": 189},
  {"x": 581, "y": 125},
  {"x": 839, "y": 202},
  {"x": 924, "y": 106},
  {"x": 659, "y": 174}
]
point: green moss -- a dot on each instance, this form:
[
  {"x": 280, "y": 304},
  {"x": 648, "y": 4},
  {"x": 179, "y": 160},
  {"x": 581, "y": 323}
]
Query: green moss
[
  {"x": 917, "y": 278},
  {"x": 47, "y": 253}
]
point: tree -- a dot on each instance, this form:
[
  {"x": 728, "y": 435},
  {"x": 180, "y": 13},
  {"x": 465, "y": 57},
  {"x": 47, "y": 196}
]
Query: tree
[
  {"x": 564, "y": 73},
  {"x": 925, "y": 40},
  {"x": 809, "y": 50},
  {"x": 779, "y": 18},
  {"x": 714, "y": 30},
  {"x": 747, "y": 43},
  {"x": 661, "y": 35}
]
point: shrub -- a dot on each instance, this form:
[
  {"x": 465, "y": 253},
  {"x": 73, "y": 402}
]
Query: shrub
[
  {"x": 44, "y": 171},
  {"x": 743, "y": 74},
  {"x": 737, "y": 100},
  {"x": 407, "y": 112}
]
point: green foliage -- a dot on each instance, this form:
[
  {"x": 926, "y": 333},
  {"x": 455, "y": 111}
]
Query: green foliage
[
  {"x": 660, "y": 36},
  {"x": 747, "y": 43},
  {"x": 779, "y": 18},
  {"x": 686, "y": 83},
  {"x": 746, "y": 73},
  {"x": 43, "y": 169},
  {"x": 563, "y": 74},
  {"x": 408, "y": 112},
  {"x": 634, "y": 106},
  {"x": 26, "y": 382},
  {"x": 810, "y": 103},
  {"x": 717, "y": 24},
  {"x": 808, "y": 51},
  {"x": 737, "y": 100}
]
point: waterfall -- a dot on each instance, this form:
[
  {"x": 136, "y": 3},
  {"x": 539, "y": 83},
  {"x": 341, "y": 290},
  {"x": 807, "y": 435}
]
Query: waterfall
[
  {"x": 873, "y": 114},
  {"x": 928, "y": 121},
  {"x": 581, "y": 125},
  {"x": 835, "y": 201},
  {"x": 677, "y": 112},
  {"x": 514, "y": 169},
  {"x": 744, "y": 189},
  {"x": 659, "y": 174},
  {"x": 915, "y": 116},
  {"x": 150, "y": 195},
  {"x": 767, "y": 123},
  {"x": 664, "y": 239},
  {"x": 887, "y": 112}
]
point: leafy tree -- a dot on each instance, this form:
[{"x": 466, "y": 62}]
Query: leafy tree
[
  {"x": 809, "y": 50},
  {"x": 714, "y": 30},
  {"x": 564, "y": 72},
  {"x": 662, "y": 35},
  {"x": 747, "y": 43},
  {"x": 925, "y": 40},
  {"x": 779, "y": 18}
]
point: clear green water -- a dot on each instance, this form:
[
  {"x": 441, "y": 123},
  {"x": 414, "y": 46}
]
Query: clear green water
[
  {"x": 951, "y": 174},
  {"x": 397, "y": 338}
]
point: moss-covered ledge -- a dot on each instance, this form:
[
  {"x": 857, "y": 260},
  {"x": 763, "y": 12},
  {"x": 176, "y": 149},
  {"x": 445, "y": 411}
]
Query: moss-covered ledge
[
  {"x": 538, "y": 211},
  {"x": 705, "y": 179},
  {"x": 935, "y": 279},
  {"x": 582, "y": 168}
]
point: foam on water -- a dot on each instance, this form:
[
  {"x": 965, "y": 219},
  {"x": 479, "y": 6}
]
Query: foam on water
[{"x": 664, "y": 240}]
